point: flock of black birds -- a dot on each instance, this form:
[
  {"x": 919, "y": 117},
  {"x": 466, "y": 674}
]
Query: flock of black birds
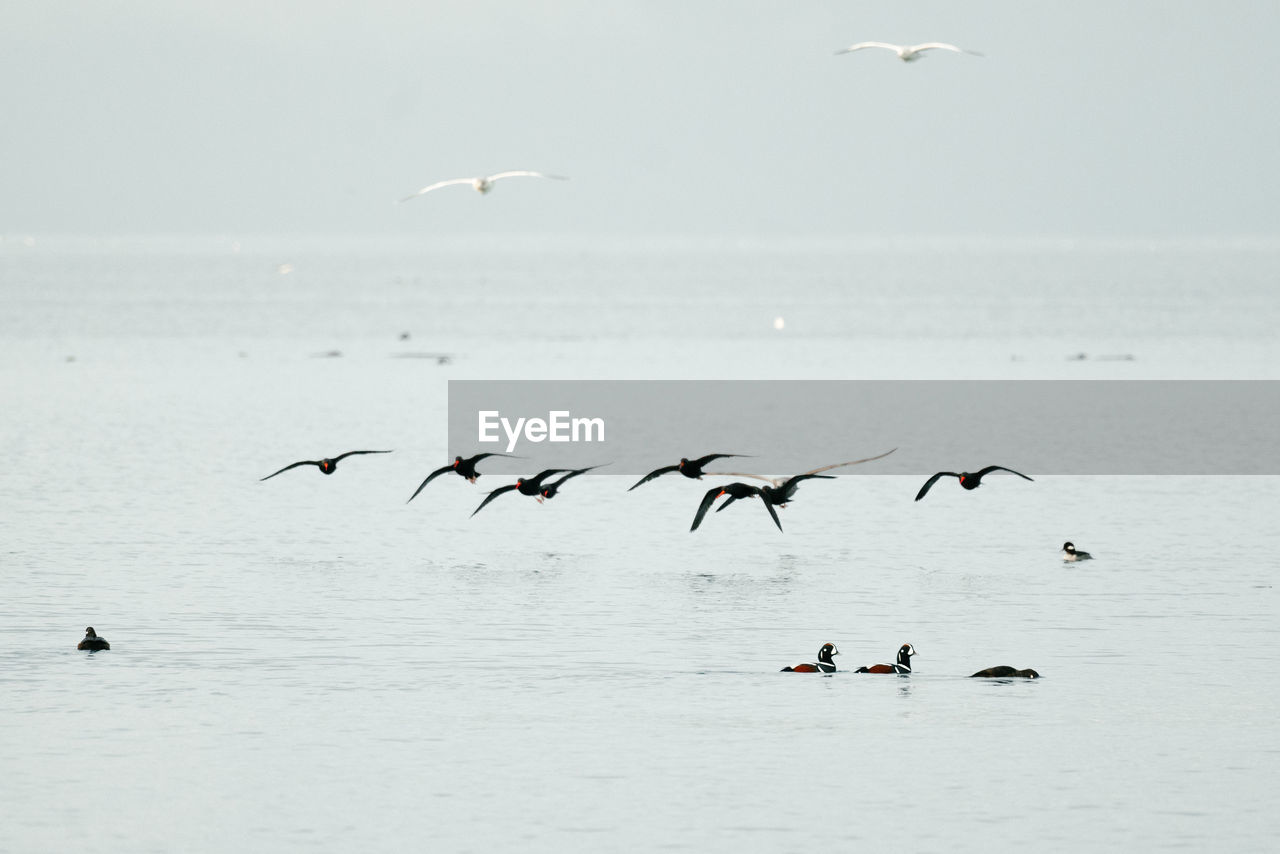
[{"x": 778, "y": 492}]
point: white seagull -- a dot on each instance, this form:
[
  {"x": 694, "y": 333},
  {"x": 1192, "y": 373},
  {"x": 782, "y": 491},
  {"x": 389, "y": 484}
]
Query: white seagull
[
  {"x": 483, "y": 183},
  {"x": 908, "y": 53}
]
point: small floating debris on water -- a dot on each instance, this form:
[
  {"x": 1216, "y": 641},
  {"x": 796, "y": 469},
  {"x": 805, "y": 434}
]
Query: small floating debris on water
[
  {"x": 71, "y": 358},
  {"x": 285, "y": 269},
  {"x": 328, "y": 354},
  {"x": 779, "y": 323},
  {"x": 404, "y": 336},
  {"x": 1110, "y": 357},
  {"x": 441, "y": 358}
]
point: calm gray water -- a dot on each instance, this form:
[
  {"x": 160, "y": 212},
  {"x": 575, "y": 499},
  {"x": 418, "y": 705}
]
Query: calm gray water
[{"x": 311, "y": 664}]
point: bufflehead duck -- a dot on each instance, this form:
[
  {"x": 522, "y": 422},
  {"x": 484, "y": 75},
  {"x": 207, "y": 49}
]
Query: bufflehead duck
[
  {"x": 1069, "y": 552},
  {"x": 92, "y": 642},
  {"x": 967, "y": 480},
  {"x": 903, "y": 666},
  {"x": 327, "y": 466},
  {"x": 824, "y": 664}
]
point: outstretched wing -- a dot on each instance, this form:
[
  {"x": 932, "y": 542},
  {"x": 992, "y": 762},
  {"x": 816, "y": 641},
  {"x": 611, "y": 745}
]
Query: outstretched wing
[
  {"x": 293, "y": 466},
  {"x": 537, "y": 479},
  {"x": 342, "y": 457},
  {"x": 655, "y": 473},
  {"x": 525, "y": 173},
  {"x": 779, "y": 481},
  {"x": 478, "y": 457},
  {"x": 860, "y": 45},
  {"x": 437, "y": 185},
  {"x": 928, "y": 484},
  {"x": 493, "y": 495},
  {"x": 776, "y": 481},
  {"x": 788, "y": 487},
  {"x": 917, "y": 48},
  {"x": 989, "y": 469},
  {"x": 559, "y": 483},
  {"x": 852, "y": 462},
  {"x": 430, "y": 478},
  {"x": 768, "y": 505},
  {"x": 707, "y": 500},
  {"x": 702, "y": 461}
]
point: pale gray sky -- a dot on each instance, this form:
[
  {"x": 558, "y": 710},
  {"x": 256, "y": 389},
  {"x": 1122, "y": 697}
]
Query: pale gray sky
[{"x": 234, "y": 116}]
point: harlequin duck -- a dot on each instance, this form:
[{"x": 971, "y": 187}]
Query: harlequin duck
[
  {"x": 92, "y": 642},
  {"x": 903, "y": 665},
  {"x": 1004, "y": 672},
  {"x": 824, "y": 664},
  {"x": 1069, "y": 552}
]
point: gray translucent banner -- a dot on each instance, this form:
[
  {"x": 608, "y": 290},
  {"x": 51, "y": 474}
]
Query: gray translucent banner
[{"x": 1198, "y": 427}]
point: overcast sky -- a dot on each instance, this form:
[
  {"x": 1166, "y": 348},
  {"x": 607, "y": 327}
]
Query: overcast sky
[{"x": 251, "y": 116}]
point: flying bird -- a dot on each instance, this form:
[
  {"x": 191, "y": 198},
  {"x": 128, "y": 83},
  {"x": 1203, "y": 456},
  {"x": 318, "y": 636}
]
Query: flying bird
[
  {"x": 908, "y": 53},
  {"x": 327, "y": 465},
  {"x": 687, "y": 467},
  {"x": 782, "y": 489},
  {"x": 464, "y": 468},
  {"x": 525, "y": 485},
  {"x": 735, "y": 491},
  {"x": 482, "y": 183},
  {"x": 549, "y": 491},
  {"x": 967, "y": 480}
]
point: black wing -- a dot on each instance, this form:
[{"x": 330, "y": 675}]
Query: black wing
[
  {"x": 727, "y": 502},
  {"x": 774, "y": 513},
  {"x": 294, "y": 466},
  {"x": 789, "y": 485},
  {"x": 702, "y": 461},
  {"x": 493, "y": 495},
  {"x": 430, "y": 478},
  {"x": 707, "y": 500},
  {"x": 928, "y": 484},
  {"x": 341, "y": 457},
  {"x": 989, "y": 469},
  {"x": 537, "y": 479},
  {"x": 559, "y": 483},
  {"x": 478, "y": 457},
  {"x": 656, "y": 473}
]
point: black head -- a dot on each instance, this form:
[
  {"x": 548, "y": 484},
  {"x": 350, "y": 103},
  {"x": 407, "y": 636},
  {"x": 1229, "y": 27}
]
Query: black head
[
  {"x": 1029, "y": 673},
  {"x": 456, "y": 460},
  {"x": 90, "y": 633},
  {"x": 683, "y": 460},
  {"x": 828, "y": 650},
  {"x": 905, "y": 653},
  {"x": 1069, "y": 547}
]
